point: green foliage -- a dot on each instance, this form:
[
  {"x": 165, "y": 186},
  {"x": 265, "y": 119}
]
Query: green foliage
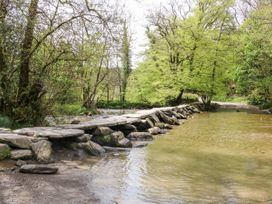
[
  {"x": 117, "y": 104},
  {"x": 5, "y": 154},
  {"x": 69, "y": 109},
  {"x": 196, "y": 57},
  {"x": 254, "y": 71},
  {"x": 5, "y": 121}
]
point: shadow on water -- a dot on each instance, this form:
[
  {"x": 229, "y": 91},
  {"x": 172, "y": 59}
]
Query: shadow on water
[{"x": 214, "y": 158}]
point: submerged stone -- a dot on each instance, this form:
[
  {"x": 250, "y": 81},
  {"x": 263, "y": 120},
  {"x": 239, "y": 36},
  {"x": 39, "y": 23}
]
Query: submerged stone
[
  {"x": 92, "y": 148},
  {"x": 140, "y": 136}
]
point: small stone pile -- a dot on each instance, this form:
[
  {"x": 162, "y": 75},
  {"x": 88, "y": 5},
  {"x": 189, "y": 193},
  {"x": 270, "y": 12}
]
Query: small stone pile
[{"x": 95, "y": 137}]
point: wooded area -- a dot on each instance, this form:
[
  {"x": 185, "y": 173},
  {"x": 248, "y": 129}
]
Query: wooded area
[{"x": 56, "y": 53}]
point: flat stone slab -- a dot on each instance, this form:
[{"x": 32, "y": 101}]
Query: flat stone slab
[
  {"x": 102, "y": 122},
  {"x": 15, "y": 140},
  {"x": 119, "y": 120},
  {"x": 38, "y": 169},
  {"x": 49, "y": 132}
]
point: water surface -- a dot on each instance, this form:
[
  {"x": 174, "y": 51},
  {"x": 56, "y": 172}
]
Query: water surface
[{"x": 221, "y": 157}]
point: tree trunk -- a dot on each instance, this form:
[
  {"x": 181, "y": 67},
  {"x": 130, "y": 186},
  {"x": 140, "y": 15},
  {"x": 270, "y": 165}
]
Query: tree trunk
[
  {"x": 4, "y": 99},
  {"x": 26, "y": 50},
  {"x": 179, "y": 97}
]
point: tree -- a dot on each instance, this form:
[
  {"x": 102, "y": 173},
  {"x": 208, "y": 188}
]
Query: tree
[
  {"x": 254, "y": 73},
  {"x": 125, "y": 70}
]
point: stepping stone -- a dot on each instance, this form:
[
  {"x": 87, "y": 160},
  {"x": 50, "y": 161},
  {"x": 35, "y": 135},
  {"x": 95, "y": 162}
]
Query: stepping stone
[{"x": 38, "y": 169}]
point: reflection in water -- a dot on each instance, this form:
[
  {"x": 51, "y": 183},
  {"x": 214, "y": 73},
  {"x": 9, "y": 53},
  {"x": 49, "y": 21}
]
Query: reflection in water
[{"x": 213, "y": 158}]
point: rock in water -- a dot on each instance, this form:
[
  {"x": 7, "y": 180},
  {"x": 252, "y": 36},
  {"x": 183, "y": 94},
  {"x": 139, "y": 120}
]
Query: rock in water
[
  {"x": 119, "y": 140},
  {"x": 14, "y": 140},
  {"x": 165, "y": 118},
  {"x": 142, "y": 125},
  {"x": 92, "y": 148},
  {"x": 102, "y": 131},
  {"x": 21, "y": 154},
  {"x": 4, "y": 151},
  {"x": 84, "y": 138},
  {"x": 38, "y": 169},
  {"x": 42, "y": 151},
  {"x": 116, "y": 139},
  {"x": 126, "y": 129},
  {"x": 150, "y": 123},
  {"x": 154, "y": 131},
  {"x": 140, "y": 136}
]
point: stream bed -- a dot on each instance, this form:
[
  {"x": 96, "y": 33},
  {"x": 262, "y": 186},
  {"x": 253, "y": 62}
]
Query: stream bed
[{"x": 223, "y": 157}]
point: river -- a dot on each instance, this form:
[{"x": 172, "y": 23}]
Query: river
[{"x": 223, "y": 157}]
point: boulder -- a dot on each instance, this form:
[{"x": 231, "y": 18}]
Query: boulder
[
  {"x": 21, "y": 154},
  {"x": 84, "y": 138},
  {"x": 154, "y": 131},
  {"x": 38, "y": 169},
  {"x": 163, "y": 131},
  {"x": 42, "y": 151},
  {"x": 165, "y": 118},
  {"x": 150, "y": 123},
  {"x": 194, "y": 109},
  {"x": 126, "y": 129},
  {"x": 102, "y": 131},
  {"x": 142, "y": 125},
  {"x": 119, "y": 140},
  {"x": 50, "y": 132},
  {"x": 92, "y": 148},
  {"x": 4, "y": 151},
  {"x": 154, "y": 118},
  {"x": 14, "y": 140},
  {"x": 175, "y": 120},
  {"x": 116, "y": 139},
  {"x": 178, "y": 115},
  {"x": 164, "y": 126},
  {"x": 140, "y": 136}
]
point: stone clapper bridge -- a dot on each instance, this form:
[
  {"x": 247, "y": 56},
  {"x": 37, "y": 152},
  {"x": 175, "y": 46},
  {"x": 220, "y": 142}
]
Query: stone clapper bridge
[{"x": 95, "y": 137}]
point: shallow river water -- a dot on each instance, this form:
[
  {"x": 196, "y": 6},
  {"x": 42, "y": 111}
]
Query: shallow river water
[{"x": 223, "y": 157}]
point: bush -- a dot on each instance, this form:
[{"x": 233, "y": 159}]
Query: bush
[{"x": 5, "y": 122}]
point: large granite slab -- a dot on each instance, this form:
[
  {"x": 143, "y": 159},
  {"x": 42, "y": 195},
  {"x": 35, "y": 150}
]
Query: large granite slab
[
  {"x": 49, "y": 132},
  {"x": 15, "y": 140},
  {"x": 102, "y": 122}
]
